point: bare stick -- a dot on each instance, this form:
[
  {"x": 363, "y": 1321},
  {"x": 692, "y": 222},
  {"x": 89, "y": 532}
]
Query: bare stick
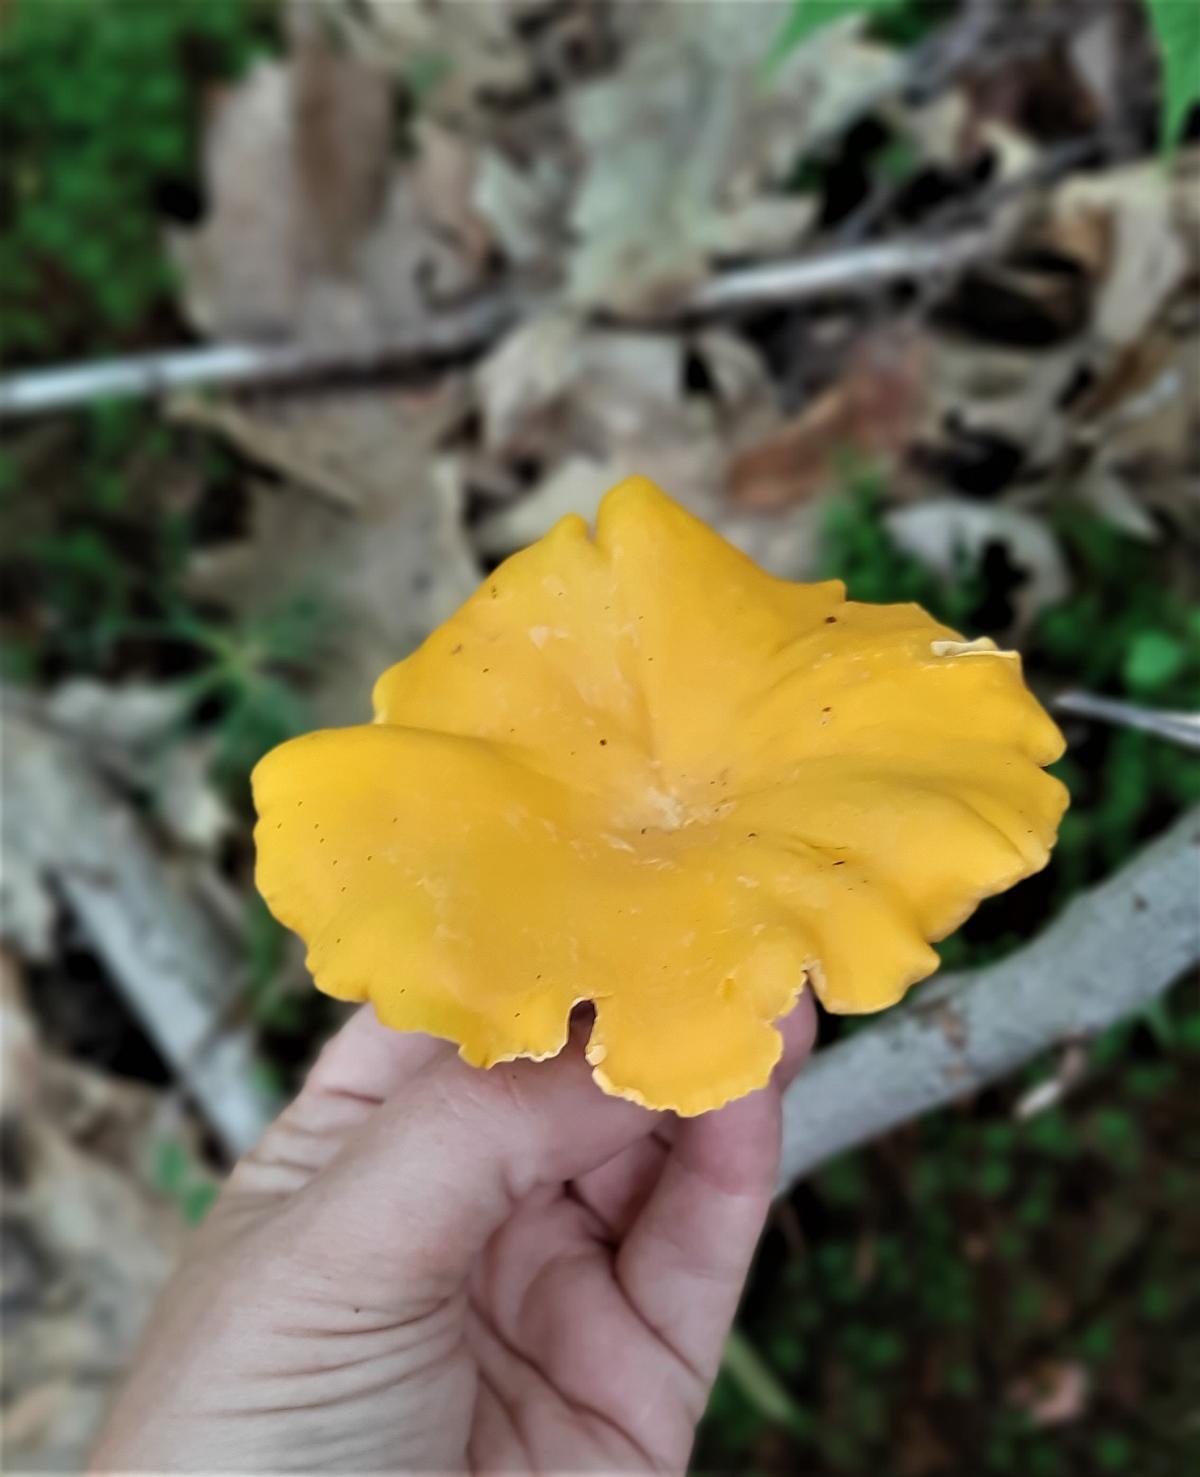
[
  {"x": 177, "y": 969},
  {"x": 1178, "y": 728},
  {"x": 1111, "y": 953},
  {"x": 462, "y": 331},
  {"x": 782, "y": 283},
  {"x": 470, "y": 329}
]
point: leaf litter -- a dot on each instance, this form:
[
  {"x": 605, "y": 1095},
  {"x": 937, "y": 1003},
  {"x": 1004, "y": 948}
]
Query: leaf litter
[{"x": 603, "y": 162}]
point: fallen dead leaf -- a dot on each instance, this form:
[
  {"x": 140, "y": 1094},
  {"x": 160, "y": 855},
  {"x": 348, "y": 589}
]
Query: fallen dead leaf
[
  {"x": 312, "y": 232},
  {"x": 523, "y": 207},
  {"x": 871, "y": 410},
  {"x": 1147, "y": 259},
  {"x": 388, "y": 571},
  {"x": 1054, "y": 1394},
  {"x": 946, "y": 533},
  {"x": 555, "y": 383},
  {"x": 445, "y": 189},
  {"x": 88, "y": 1242},
  {"x": 687, "y": 146},
  {"x": 241, "y": 270},
  {"x": 342, "y": 123}
]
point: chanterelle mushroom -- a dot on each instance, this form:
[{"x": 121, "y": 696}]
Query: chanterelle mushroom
[{"x": 635, "y": 770}]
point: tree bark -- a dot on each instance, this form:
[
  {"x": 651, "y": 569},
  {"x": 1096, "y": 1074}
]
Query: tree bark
[{"x": 1112, "y": 951}]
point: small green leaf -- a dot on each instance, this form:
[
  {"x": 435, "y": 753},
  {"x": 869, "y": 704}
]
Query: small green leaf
[
  {"x": 1176, "y": 25},
  {"x": 172, "y": 1165},
  {"x": 806, "y": 17},
  {"x": 1154, "y": 658},
  {"x": 759, "y": 1384},
  {"x": 197, "y": 1201}
]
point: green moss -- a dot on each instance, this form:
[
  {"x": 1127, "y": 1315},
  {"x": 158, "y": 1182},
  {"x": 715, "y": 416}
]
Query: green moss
[{"x": 99, "y": 110}]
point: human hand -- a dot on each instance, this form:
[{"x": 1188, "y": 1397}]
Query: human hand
[{"x": 428, "y": 1268}]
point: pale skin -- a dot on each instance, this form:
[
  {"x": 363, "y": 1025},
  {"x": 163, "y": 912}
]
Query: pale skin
[{"x": 427, "y": 1268}]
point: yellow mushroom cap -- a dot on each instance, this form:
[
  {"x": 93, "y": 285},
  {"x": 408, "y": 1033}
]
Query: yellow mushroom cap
[{"x": 636, "y": 770}]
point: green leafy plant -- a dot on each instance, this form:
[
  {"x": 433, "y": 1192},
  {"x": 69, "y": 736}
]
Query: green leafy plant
[
  {"x": 898, "y": 21},
  {"x": 93, "y": 541},
  {"x": 99, "y": 110},
  {"x": 248, "y": 676},
  {"x": 176, "y": 1174},
  {"x": 1176, "y": 27},
  {"x": 947, "y": 1262}
]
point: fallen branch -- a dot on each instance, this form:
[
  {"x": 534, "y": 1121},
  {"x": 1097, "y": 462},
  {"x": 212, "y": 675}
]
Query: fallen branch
[
  {"x": 1110, "y": 954},
  {"x": 452, "y": 334},
  {"x": 779, "y": 284},
  {"x": 177, "y": 969},
  {"x": 1177, "y": 728},
  {"x": 470, "y": 329}
]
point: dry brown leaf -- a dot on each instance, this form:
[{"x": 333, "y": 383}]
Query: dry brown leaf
[
  {"x": 312, "y": 232},
  {"x": 241, "y": 269},
  {"x": 445, "y": 186},
  {"x": 522, "y": 206},
  {"x": 1054, "y": 1394},
  {"x": 342, "y": 118},
  {"x": 984, "y": 391},
  {"x": 555, "y": 384},
  {"x": 946, "y": 532},
  {"x": 1147, "y": 259},
  {"x": 1142, "y": 434},
  {"x": 457, "y": 54},
  {"x": 388, "y": 571},
  {"x": 872, "y": 410},
  {"x": 687, "y": 145},
  {"x": 87, "y": 1241}
]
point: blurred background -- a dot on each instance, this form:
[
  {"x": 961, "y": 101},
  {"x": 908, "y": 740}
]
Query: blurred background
[{"x": 903, "y": 291}]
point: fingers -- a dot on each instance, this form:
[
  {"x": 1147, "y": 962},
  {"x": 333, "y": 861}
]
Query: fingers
[
  {"x": 366, "y": 1060},
  {"x": 685, "y": 1258},
  {"x": 616, "y": 1192},
  {"x": 438, "y": 1167},
  {"x": 799, "y": 1031}
]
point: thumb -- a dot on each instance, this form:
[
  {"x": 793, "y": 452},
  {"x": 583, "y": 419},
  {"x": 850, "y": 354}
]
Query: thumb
[{"x": 438, "y": 1168}]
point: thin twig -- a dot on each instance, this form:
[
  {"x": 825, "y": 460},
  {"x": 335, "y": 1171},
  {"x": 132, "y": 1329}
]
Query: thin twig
[
  {"x": 1178, "y": 728},
  {"x": 469, "y": 330},
  {"x": 847, "y": 272},
  {"x": 1113, "y": 951},
  {"x": 451, "y": 335}
]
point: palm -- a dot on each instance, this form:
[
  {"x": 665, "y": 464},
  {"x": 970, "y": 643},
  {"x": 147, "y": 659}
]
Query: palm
[
  {"x": 572, "y": 1371},
  {"x": 424, "y": 1267}
]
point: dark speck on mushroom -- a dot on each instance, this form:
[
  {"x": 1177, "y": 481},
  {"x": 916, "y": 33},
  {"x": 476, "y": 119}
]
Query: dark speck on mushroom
[
  {"x": 840, "y": 863},
  {"x": 454, "y": 650},
  {"x": 831, "y": 620},
  {"x": 603, "y": 743}
]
